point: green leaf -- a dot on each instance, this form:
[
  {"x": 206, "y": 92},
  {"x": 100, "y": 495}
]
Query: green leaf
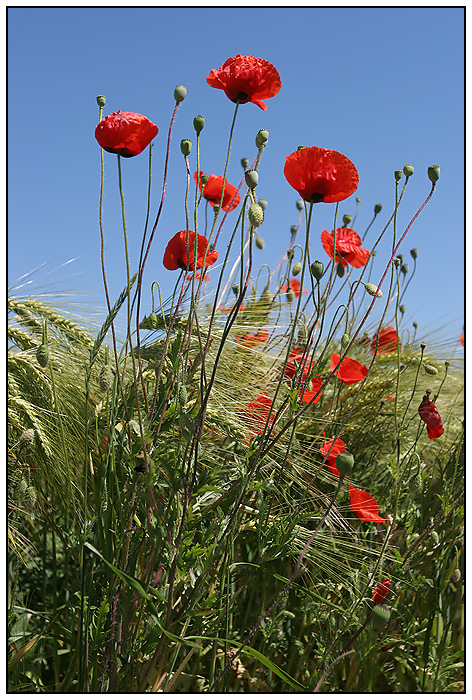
[{"x": 129, "y": 580}]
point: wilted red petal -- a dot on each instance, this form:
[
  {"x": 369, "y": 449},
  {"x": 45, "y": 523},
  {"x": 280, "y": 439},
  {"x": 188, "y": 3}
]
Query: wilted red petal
[
  {"x": 429, "y": 413},
  {"x": 348, "y": 248},
  {"x": 364, "y": 505},
  {"x": 307, "y": 395},
  {"x": 321, "y": 175},
  {"x": 350, "y": 371},
  {"x": 175, "y": 255},
  {"x": 212, "y": 191},
  {"x": 388, "y": 341},
  {"x": 125, "y": 133},
  {"x": 380, "y": 592},
  {"x": 246, "y": 78},
  {"x": 338, "y": 447},
  {"x": 257, "y": 412}
]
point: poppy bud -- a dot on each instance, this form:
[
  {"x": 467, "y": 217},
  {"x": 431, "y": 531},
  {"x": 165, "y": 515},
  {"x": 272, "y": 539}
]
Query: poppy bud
[
  {"x": 344, "y": 463},
  {"x": 418, "y": 481},
  {"x": 299, "y": 204},
  {"x": 408, "y": 169},
  {"x": 358, "y": 200},
  {"x": 380, "y": 616},
  {"x": 414, "y": 253},
  {"x": 456, "y": 576},
  {"x": 262, "y": 203},
  {"x": 397, "y": 262},
  {"x": 347, "y": 218},
  {"x": 152, "y": 320},
  {"x": 447, "y": 364},
  {"x": 101, "y": 100},
  {"x": 204, "y": 178},
  {"x": 414, "y": 324},
  {"x": 372, "y": 290},
  {"x": 252, "y": 178},
  {"x": 300, "y": 148},
  {"x": 402, "y": 308},
  {"x": 398, "y": 175},
  {"x": 198, "y": 123},
  {"x": 183, "y": 396},
  {"x": 22, "y": 489},
  {"x": 400, "y": 257},
  {"x": 290, "y": 254},
  {"x": 373, "y": 253},
  {"x": 27, "y": 438},
  {"x": 423, "y": 346},
  {"x": 256, "y": 214},
  {"x": 290, "y": 294},
  {"x": 344, "y": 342},
  {"x": 266, "y": 296},
  {"x": 340, "y": 270},
  {"x": 377, "y": 208},
  {"x": 262, "y": 137},
  {"x": 297, "y": 268},
  {"x": 404, "y": 268},
  {"x": 216, "y": 210},
  {"x": 317, "y": 269},
  {"x": 244, "y": 163},
  {"x": 42, "y": 355},
  {"x": 429, "y": 369},
  {"x": 260, "y": 242},
  {"x": 433, "y": 173},
  {"x": 105, "y": 378},
  {"x": 30, "y": 496},
  {"x": 185, "y": 147},
  {"x": 179, "y": 93},
  {"x": 235, "y": 289}
]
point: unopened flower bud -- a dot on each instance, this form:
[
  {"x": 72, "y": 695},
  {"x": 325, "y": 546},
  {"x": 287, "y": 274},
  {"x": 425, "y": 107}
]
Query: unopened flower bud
[
  {"x": 358, "y": 200},
  {"x": 252, "y": 178},
  {"x": 101, "y": 100},
  {"x": 204, "y": 178},
  {"x": 293, "y": 229},
  {"x": 414, "y": 253},
  {"x": 402, "y": 308},
  {"x": 260, "y": 242},
  {"x": 398, "y": 175},
  {"x": 183, "y": 395},
  {"x": 340, "y": 270},
  {"x": 297, "y": 268},
  {"x": 347, "y": 218},
  {"x": 179, "y": 93},
  {"x": 244, "y": 163},
  {"x": 408, "y": 169},
  {"x": 317, "y": 269},
  {"x": 372, "y": 290},
  {"x": 373, "y": 253},
  {"x": 262, "y": 137},
  {"x": 216, "y": 210},
  {"x": 266, "y": 296},
  {"x": 256, "y": 214},
  {"x": 456, "y": 576},
  {"x": 42, "y": 355},
  {"x": 185, "y": 147},
  {"x": 235, "y": 289},
  {"x": 27, "y": 438},
  {"x": 447, "y": 364},
  {"x": 404, "y": 268},
  {"x": 290, "y": 295},
  {"x": 344, "y": 463},
  {"x": 377, "y": 208},
  {"x": 414, "y": 324},
  {"x": 433, "y": 173},
  {"x": 429, "y": 369},
  {"x": 152, "y": 320},
  {"x": 105, "y": 378},
  {"x": 380, "y": 616},
  {"x": 30, "y": 496},
  {"x": 434, "y": 537},
  {"x": 300, "y": 148},
  {"x": 299, "y": 204},
  {"x": 262, "y": 203},
  {"x": 344, "y": 342},
  {"x": 400, "y": 257},
  {"x": 198, "y": 123},
  {"x": 423, "y": 346},
  {"x": 397, "y": 262},
  {"x": 290, "y": 254}
]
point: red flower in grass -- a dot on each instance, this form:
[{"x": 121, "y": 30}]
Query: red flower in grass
[
  {"x": 388, "y": 341},
  {"x": 212, "y": 191},
  {"x": 321, "y": 175},
  {"x": 246, "y": 79},
  {"x": 380, "y": 592},
  {"x": 350, "y": 371},
  {"x": 198, "y": 277},
  {"x": 250, "y": 341},
  {"x": 461, "y": 339},
  {"x": 338, "y": 447},
  {"x": 306, "y": 395},
  {"x": 125, "y": 133},
  {"x": 348, "y": 248},
  {"x": 296, "y": 358},
  {"x": 294, "y": 285},
  {"x": 429, "y": 413},
  {"x": 256, "y": 413},
  {"x": 175, "y": 255},
  {"x": 364, "y": 506}
]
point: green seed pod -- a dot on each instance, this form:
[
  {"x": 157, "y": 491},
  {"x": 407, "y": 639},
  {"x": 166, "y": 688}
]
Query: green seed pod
[
  {"x": 429, "y": 369},
  {"x": 185, "y": 147},
  {"x": 105, "y": 378},
  {"x": 198, "y": 123},
  {"x": 235, "y": 289},
  {"x": 297, "y": 268},
  {"x": 180, "y": 93},
  {"x": 30, "y": 496},
  {"x": 252, "y": 178},
  {"x": 317, "y": 269},
  {"x": 183, "y": 395},
  {"x": 347, "y": 218},
  {"x": 404, "y": 268},
  {"x": 402, "y": 308},
  {"x": 293, "y": 229},
  {"x": 377, "y": 208},
  {"x": 414, "y": 253},
  {"x": 244, "y": 163},
  {"x": 260, "y": 242},
  {"x": 400, "y": 257},
  {"x": 344, "y": 342},
  {"x": 42, "y": 355},
  {"x": 300, "y": 148},
  {"x": 262, "y": 203},
  {"x": 433, "y": 173},
  {"x": 456, "y": 576},
  {"x": 398, "y": 175},
  {"x": 397, "y": 262},
  {"x": 152, "y": 320},
  {"x": 290, "y": 254},
  {"x": 101, "y": 100},
  {"x": 262, "y": 137},
  {"x": 256, "y": 214},
  {"x": 340, "y": 270},
  {"x": 380, "y": 616},
  {"x": 358, "y": 200},
  {"x": 414, "y": 324},
  {"x": 408, "y": 169},
  {"x": 27, "y": 438},
  {"x": 345, "y": 463},
  {"x": 299, "y": 204},
  {"x": 290, "y": 295},
  {"x": 372, "y": 290}
]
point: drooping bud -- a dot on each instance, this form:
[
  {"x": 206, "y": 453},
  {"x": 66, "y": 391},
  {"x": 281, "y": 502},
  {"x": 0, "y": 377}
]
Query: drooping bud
[
  {"x": 400, "y": 257},
  {"x": 404, "y": 268},
  {"x": 266, "y": 296},
  {"x": 344, "y": 463},
  {"x": 185, "y": 147},
  {"x": 101, "y": 100},
  {"x": 317, "y": 269},
  {"x": 260, "y": 242},
  {"x": 252, "y": 178},
  {"x": 429, "y": 369},
  {"x": 299, "y": 204},
  {"x": 262, "y": 137},
  {"x": 344, "y": 342},
  {"x": 456, "y": 576},
  {"x": 297, "y": 268},
  {"x": 402, "y": 308},
  {"x": 293, "y": 229},
  {"x": 433, "y": 173},
  {"x": 372, "y": 290},
  {"x": 380, "y": 616},
  {"x": 398, "y": 175},
  {"x": 198, "y": 123},
  {"x": 105, "y": 378},
  {"x": 414, "y": 253},
  {"x": 347, "y": 218},
  {"x": 152, "y": 320},
  {"x": 180, "y": 93},
  {"x": 290, "y": 295},
  {"x": 262, "y": 203},
  {"x": 340, "y": 270},
  {"x": 377, "y": 208},
  {"x": 244, "y": 163},
  {"x": 256, "y": 214},
  {"x": 408, "y": 169}
]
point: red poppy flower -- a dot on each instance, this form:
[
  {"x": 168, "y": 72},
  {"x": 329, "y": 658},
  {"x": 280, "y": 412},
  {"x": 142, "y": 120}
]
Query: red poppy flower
[
  {"x": 175, "y": 255},
  {"x": 461, "y": 339},
  {"x": 246, "y": 79},
  {"x": 256, "y": 413},
  {"x": 295, "y": 359},
  {"x": 429, "y": 413},
  {"x": 388, "y": 341},
  {"x": 350, "y": 371},
  {"x": 364, "y": 506},
  {"x": 198, "y": 277},
  {"x": 380, "y": 592},
  {"x": 348, "y": 248},
  {"x": 212, "y": 191},
  {"x": 294, "y": 286},
  {"x": 306, "y": 395},
  {"x": 250, "y": 341},
  {"x": 321, "y": 175},
  {"x": 337, "y": 448},
  {"x": 125, "y": 133}
]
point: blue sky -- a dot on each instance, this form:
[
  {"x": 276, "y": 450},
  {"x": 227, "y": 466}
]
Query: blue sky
[{"x": 383, "y": 86}]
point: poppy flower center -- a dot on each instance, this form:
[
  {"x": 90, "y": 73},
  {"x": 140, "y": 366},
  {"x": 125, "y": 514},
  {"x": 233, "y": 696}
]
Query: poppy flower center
[
  {"x": 242, "y": 97},
  {"x": 316, "y": 197}
]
